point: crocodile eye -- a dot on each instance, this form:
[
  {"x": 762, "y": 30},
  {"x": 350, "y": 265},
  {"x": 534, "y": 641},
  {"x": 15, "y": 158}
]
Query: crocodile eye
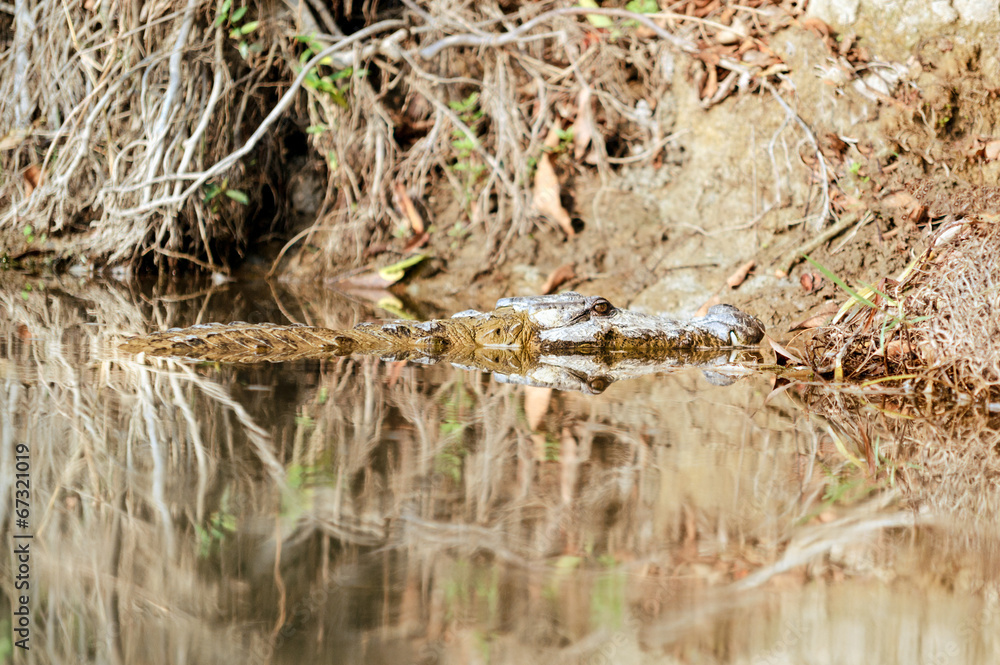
[
  {"x": 599, "y": 384},
  {"x": 602, "y": 307}
]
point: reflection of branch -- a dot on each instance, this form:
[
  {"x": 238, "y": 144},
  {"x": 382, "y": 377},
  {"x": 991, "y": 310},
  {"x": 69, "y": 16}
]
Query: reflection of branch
[
  {"x": 257, "y": 435},
  {"x": 821, "y": 540}
]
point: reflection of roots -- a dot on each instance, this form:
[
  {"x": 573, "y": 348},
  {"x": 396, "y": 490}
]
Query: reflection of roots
[{"x": 929, "y": 452}]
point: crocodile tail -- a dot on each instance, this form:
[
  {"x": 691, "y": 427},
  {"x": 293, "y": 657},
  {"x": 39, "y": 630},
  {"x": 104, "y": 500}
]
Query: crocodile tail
[{"x": 240, "y": 342}]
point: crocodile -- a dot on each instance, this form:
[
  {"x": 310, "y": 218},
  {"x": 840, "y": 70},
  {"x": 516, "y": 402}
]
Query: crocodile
[
  {"x": 518, "y": 330},
  {"x": 594, "y": 374}
]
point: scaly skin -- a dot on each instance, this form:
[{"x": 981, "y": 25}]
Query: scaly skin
[{"x": 523, "y": 328}]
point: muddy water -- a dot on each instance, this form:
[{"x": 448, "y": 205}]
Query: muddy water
[{"x": 354, "y": 510}]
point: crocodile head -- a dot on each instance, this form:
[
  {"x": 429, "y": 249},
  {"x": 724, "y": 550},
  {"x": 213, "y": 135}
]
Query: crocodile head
[{"x": 570, "y": 322}]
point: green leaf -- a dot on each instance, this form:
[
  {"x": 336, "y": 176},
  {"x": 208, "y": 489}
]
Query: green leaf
[
  {"x": 396, "y": 271},
  {"x": 596, "y": 20},
  {"x": 238, "y": 14},
  {"x": 466, "y": 104},
  {"x": 223, "y": 13},
  {"x": 28, "y": 230},
  {"x": 317, "y": 129},
  {"x": 643, "y": 6},
  {"x": 247, "y": 28},
  {"x": 244, "y": 50},
  {"x": 212, "y": 192},
  {"x": 343, "y": 73},
  {"x": 338, "y": 98},
  {"x": 234, "y": 33},
  {"x": 238, "y": 196},
  {"x": 841, "y": 283}
]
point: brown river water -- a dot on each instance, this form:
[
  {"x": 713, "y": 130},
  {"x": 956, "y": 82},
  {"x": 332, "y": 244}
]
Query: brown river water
[{"x": 354, "y": 510}]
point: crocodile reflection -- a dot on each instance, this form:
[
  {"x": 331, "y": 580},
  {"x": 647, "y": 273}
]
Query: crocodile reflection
[
  {"x": 593, "y": 374},
  {"x": 564, "y": 324}
]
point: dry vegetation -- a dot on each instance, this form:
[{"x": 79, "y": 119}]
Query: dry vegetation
[
  {"x": 129, "y": 125},
  {"x": 933, "y": 331}
]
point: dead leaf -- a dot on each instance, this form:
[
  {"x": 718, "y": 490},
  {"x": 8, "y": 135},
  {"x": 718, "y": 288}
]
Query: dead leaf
[
  {"x": 899, "y": 349},
  {"x": 817, "y": 26},
  {"x": 711, "y": 84},
  {"x": 395, "y": 370},
  {"x": 817, "y": 317},
  {"x": 783, "y": 355},
  {"x": 408, "y": 209},
  {"x": 711, "y": 302},
  {"x": 811, "y": 281},
  {"x": 583, "y": 126},
  {"x": 992, "y": 151},
  {"x": 547, "y": 189},
  {"x": 416, "y": 242},
  {"x": 740, "y": 275},
  {"x": 904, "y": 202},
  {"x": 536, "y": 405},
  {"x": 558, "y": 277},
  {"x": 32, "y": 178},
  {"x": 13, "y": 139}
]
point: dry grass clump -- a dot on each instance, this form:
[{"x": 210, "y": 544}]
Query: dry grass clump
[{"x": 937, "y": 327}]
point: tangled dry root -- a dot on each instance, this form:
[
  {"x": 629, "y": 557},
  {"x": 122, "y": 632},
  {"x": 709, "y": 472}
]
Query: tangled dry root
[{"x": 131, "y": 122}]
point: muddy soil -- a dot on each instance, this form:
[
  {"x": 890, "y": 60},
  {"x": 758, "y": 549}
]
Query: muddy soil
[{"x": 906, "y": 135}]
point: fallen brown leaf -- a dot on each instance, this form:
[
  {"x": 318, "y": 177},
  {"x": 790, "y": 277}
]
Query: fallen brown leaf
[
  {"x": 536, "y": 405},
  {"x": 811, "y": 281},
  {"x": 992, "y": 151},
  {"x": 906, "y": 203},
  {"x": 416, "y": 242},
  {"x": 740, "y": 275},
  {"x": 408, "y": 209},
  {"x": 898, "y": 349},
  {"x": 783, "y": 355},
  {"x": 32, "y": 178},
  {"x": 711, "y": 302},
  {"x": 558, "y": 277},
  {"x": 547, "y": 189},
  {"x": 583, "y": 126},
  {"x": 13, "y": 139},
  {"x": 819, "y": 26},
  {"x": 817, "y": 317},
  {"x": 395, "y": 370}
]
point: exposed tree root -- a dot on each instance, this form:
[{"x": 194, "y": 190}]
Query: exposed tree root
[{"x": 156, "y": 131}]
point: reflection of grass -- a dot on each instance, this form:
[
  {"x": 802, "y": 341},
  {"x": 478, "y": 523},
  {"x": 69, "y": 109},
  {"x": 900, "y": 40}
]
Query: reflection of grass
[
  {"x": 220, "y": 523},
  {"x": 6, "y": 646},
  {"x": 607, "y": 600},
  {"x": 454, "y": 423}
]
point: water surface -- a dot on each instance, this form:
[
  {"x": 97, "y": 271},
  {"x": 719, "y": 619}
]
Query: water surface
[{"x": 355, "y": 510}]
